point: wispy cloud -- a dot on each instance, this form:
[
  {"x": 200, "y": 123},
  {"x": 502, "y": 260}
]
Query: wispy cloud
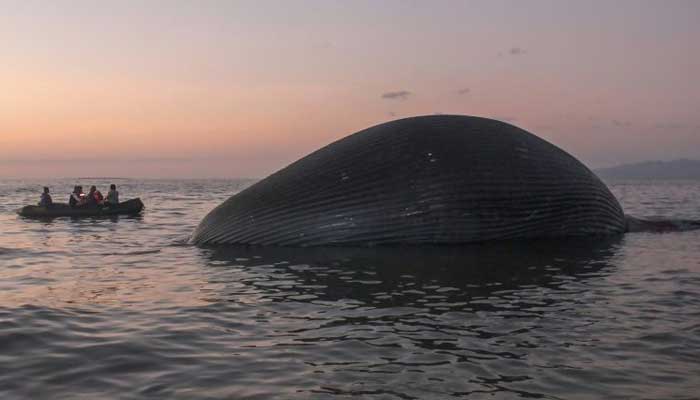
[
  {"x": 516, "y": 51},
  {"x": 324, "y": 45},
  {"x": 398, "y": 95},
  {"x": 621, "y": 124},
  {"x": 463, "y": 91},
  {"x": 669, "y": 125}
]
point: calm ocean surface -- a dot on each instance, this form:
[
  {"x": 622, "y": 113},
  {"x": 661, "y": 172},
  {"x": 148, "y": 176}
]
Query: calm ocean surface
[{"x": 123, "y": 308}]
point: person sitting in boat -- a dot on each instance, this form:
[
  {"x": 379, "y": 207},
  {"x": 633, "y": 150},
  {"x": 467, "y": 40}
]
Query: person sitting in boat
[
  {"x": 112, "y": 196},
  {"x": 46, "y": 200},
  {"x": 99, "y": 198},
  {"x": 94, "y": 197},
  {"x": 77, "y": 198}
]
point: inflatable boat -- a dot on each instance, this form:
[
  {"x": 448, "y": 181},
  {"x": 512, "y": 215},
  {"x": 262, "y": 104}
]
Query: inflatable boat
[{"x": 129, "y": 207}]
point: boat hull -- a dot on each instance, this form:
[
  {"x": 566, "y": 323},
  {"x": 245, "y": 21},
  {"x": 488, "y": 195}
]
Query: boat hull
[{"x": 129, "y": 207}]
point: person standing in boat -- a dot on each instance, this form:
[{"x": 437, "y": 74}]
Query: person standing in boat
[
  {"x": 46, "y": 200},
  {"x": 112, "y": 196}
]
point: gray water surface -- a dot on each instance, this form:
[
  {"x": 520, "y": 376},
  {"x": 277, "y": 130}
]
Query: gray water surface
[{"x": 123, "y": 308}]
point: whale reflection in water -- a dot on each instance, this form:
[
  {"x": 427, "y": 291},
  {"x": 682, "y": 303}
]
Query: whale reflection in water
[
  {"x": 394, "y": 276},
  {"x": 415, "y": 322}
]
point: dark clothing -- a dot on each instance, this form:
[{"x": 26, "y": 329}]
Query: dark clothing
[
  {"x": 45, "y": 200},
  {"x": 91, "y": 199},
  {"x": 74, "y": 200}
]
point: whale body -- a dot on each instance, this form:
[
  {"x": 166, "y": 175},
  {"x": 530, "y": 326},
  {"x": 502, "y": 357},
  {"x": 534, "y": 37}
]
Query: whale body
[{"x": 442, "y": 179}]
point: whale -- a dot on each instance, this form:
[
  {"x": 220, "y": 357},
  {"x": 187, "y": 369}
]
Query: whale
[{"x": 425, "y": 180}]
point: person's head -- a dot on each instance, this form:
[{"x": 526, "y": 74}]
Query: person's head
[
  {"x": 46, "y": 189},
  {"x": 112, "y": 187},
  {"x": 93, "y": 188},
  {"x": 76, "y": 189}
]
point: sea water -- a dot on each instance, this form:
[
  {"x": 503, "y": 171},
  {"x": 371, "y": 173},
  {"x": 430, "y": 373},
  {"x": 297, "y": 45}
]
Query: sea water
[{"x": 125, "y": 308}]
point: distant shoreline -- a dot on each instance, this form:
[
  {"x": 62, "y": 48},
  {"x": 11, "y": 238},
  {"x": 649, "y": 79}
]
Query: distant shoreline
[{"x": 672, "y": 170}]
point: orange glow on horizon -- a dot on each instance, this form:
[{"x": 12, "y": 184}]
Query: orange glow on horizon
[{"x": 220, "y": 81}]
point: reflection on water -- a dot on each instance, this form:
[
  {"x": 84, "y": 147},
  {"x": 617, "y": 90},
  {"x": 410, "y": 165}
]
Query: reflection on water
[
  {"x": 436, "y": 278},
  {"x": 100, "y": 308}
]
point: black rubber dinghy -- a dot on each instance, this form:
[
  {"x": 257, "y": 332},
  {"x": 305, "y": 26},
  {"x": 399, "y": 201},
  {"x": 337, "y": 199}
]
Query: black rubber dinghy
[{"x": 129, "y": 207}]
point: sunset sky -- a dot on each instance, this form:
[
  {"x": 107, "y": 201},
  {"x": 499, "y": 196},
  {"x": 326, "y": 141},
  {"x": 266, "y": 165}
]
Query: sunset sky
[{"x": 241, "y": 89}]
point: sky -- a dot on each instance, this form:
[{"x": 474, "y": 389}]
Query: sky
[{"x": 241, "y": 89}]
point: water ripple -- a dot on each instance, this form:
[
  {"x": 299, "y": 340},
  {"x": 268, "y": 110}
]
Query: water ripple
[{"x": 125, "y": 309}]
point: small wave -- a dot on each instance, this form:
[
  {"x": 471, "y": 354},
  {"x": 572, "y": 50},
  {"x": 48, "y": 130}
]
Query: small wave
[
  {"x": 182, "y": 241},
  {"x": 133, "y": 253},
  {"x": 4, "y": 251},
  {"x": 656, "y": 224}
]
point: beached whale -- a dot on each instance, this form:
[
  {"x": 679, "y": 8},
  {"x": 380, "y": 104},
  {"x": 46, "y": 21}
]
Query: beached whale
[{"x": 442, "y": 179}]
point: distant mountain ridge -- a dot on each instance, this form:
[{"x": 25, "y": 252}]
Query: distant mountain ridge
[{"x": 676, "y": 169}]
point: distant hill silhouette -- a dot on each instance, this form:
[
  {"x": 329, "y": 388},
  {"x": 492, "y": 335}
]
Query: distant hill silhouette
[{"x": 676, "y": 169}]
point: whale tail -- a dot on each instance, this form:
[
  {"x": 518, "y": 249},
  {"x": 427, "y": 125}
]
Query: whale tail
[{"x": 635, "y": 224}]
